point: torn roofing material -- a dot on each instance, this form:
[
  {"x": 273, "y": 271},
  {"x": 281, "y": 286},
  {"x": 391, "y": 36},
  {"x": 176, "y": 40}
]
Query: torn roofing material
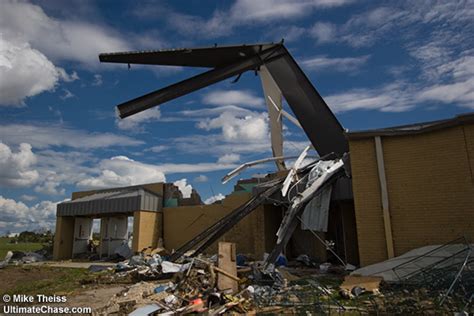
[{"x": 318, "y": 122}]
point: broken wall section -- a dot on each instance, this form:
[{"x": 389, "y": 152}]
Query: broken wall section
[{"x": 255, "y": 234}]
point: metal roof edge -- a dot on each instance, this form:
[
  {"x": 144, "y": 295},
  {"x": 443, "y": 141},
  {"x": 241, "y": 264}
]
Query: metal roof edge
[{"x": 412, "y": 129}]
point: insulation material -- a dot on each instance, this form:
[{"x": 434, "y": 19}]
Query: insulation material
[
  {"x": 273, "y": 99},
  {"x": 316, "y": 213}
]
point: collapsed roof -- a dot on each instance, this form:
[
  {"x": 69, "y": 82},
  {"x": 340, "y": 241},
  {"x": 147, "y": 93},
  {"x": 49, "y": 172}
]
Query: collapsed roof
[
  {"x": 281, "y": 77},
  {"x": 280, "y": 74}
]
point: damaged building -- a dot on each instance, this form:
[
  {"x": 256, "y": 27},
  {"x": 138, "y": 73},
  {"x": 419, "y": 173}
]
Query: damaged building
[{"x": 369, "y": 196}]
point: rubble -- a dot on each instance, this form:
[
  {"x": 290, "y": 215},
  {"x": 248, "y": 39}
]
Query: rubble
[{"x": 7, "y": 259}]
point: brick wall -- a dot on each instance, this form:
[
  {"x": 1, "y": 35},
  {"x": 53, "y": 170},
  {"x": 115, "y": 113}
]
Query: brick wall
[
  {"x": 430, "y": 190},
  {"x": 147, "y": 229},
  {"x": 251, "y": 235}
]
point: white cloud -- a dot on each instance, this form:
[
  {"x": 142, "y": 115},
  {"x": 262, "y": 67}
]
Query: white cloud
[
  {"x": 137, "y": 121},
  {"x": 30, "y": 41},
  {"x": 25, "y": 72},
  {"x": 229, "y": 158},
  {"x": 344, "y": 64},
  {"x": 241, "y": 13},
  {"x": 97, "y": 80},
  {"x": 395, "y": 97},
  {"x": 324, "y": 32},
  {"x": 158, "y": 148},
  {"x": 27, "y": 197},
  {"x": 200, "y": 144},
  {"x": 208, "y": 112},
  {"x": 233, "y": 97},
  {"x": 214, "y": 198},
  {"x": 67, "y": 94},
  {"x": 201, "y": 178},
  {"x": 264, "y": 10},
  {"x": 17, "y": 168},
  {"x": 50, "y": 186},
  {"x": 249, "y": 128},
  {"x": 17, "y": 216},
  {"x": 185, "y": 188},
  {"x": 44, "y": 136},
  {"x": 461, "y": 93},
  {"x": 71, "y": 40},
  {"x": 122, "y": 171}
]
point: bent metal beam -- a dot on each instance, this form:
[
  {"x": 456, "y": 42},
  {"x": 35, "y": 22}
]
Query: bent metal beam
[{"x": 318, "y": 122}]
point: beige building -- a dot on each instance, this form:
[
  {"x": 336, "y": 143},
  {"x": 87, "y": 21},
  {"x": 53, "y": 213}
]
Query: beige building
[
  {"x": 413, "y": 186},
  {"x": 160, "y": 214}
]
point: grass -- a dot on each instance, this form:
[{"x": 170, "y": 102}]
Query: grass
[
  {"x": 6, "y": 246},
  {"x": 48, "y": 280}
]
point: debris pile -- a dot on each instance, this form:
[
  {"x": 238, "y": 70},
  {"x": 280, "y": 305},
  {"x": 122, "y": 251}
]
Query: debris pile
[{"x": 20, "y": 257}]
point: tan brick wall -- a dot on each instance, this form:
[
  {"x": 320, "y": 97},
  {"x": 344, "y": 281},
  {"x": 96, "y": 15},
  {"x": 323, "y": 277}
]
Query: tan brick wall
[
  {"x": 368, "y": 206},
  {"x": 63, "y": 238},
  {"x": 430, "y": 190},
  {"x": 147, "y": 229},
  {"x": 181, "y": 224}
]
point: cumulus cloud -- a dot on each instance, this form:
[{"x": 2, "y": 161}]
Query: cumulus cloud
[
  {"x": 137, "y": 121},
  {"x": 27, "y": 197},
  {"x": 25, "y": 72},
  {"x": 31, "y": 41},
  {"x": 122, "y": 171},
  {"x": 185, "y": 188},
  {"x": 70, "y": 40},
  {"x": 17, "y": 168},
  {"x": 233, "y": 97},
  {"x": 17, "y": 216},
  {"x": 50, "y": 186},
  {"x": 214, "y": 198},
  {"x": 249, "y": 128}
]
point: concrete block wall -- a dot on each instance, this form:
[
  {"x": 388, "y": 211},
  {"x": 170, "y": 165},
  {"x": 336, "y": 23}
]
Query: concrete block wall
[{"x": 430, "y": 190}]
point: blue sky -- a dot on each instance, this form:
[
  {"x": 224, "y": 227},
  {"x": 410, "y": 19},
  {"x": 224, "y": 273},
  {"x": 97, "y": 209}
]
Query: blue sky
[{"x": 376, "y": 64}]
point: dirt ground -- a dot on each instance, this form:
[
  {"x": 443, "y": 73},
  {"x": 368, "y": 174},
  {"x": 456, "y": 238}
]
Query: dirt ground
[
  {"x": 74, "y": 283},
  {"x": 95, "y": 298},
  {"x": 12, "y": 277}
]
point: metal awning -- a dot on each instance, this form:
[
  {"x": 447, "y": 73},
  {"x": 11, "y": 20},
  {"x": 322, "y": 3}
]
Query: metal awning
[{"x": 120, "y": 201}]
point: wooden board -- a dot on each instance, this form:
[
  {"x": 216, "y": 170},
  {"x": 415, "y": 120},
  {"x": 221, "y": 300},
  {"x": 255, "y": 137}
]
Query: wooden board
[{"x": 227, "y": 262}]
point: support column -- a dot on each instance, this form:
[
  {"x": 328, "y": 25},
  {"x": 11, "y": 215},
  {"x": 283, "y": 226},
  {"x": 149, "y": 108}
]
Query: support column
[{"x": 384, "y": 196}]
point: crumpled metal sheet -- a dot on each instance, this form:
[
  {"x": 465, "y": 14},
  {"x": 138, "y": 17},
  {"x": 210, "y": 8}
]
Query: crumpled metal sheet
[{"x": 316, "y": 213}]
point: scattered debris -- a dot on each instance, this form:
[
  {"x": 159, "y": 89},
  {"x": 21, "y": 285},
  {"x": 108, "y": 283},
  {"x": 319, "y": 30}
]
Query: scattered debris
[{"x": 7, "y": 259}]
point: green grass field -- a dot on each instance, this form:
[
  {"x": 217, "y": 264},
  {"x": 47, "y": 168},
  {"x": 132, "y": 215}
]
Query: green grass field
[{"x": 5, "y": 246}]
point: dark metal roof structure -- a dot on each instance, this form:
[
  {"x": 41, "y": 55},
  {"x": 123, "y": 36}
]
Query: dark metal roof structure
[
  {"x": 208, "y": 57},
  {"x": 123, "y": 201},
  {"x": 411, "y": 129},
  {"x": 318, "y": 122}
]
